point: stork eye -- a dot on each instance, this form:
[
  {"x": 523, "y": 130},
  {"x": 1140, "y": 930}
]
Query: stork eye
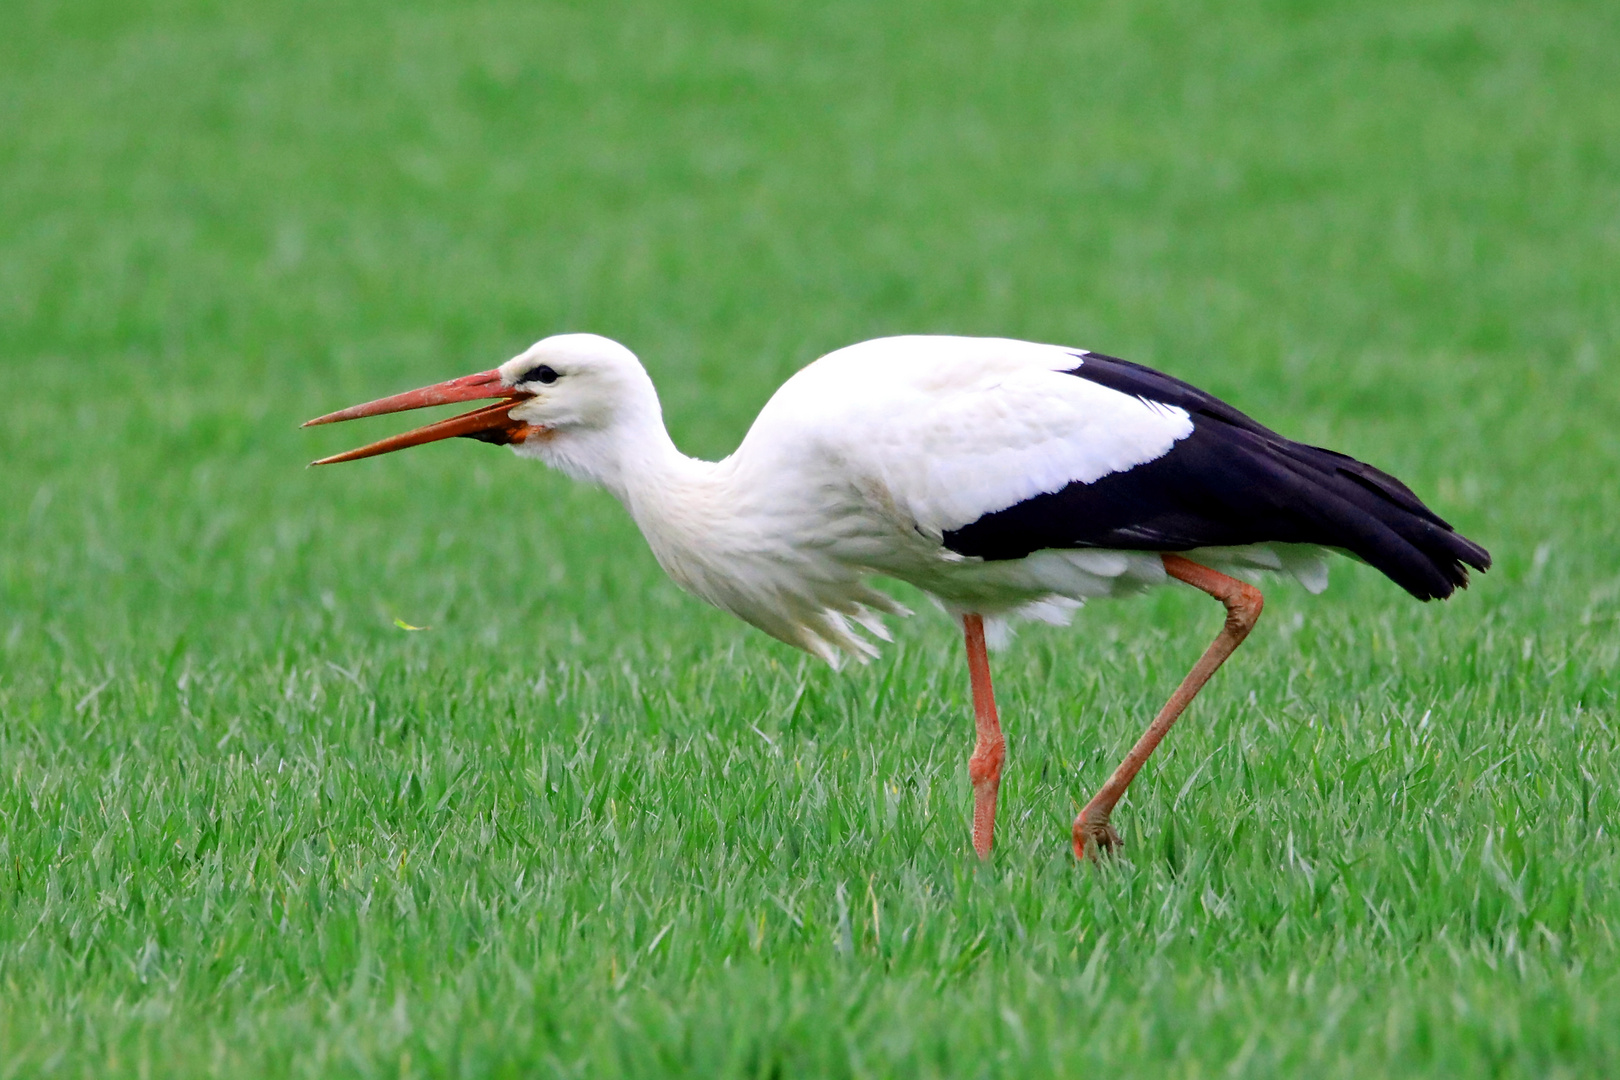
[{"x": 541, "y": 374}]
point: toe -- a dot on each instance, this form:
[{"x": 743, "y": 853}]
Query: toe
[{"x": 1095, "y": 839}]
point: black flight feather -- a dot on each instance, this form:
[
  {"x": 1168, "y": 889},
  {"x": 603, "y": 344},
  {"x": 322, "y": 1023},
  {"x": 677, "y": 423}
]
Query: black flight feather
[{"x": 1231, "y": 482}]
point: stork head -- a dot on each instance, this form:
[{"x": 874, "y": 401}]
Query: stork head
[{"x": 558, "y": 399}]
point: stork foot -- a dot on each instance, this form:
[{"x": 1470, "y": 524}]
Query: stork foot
[{"x": 1094, "y": 837}]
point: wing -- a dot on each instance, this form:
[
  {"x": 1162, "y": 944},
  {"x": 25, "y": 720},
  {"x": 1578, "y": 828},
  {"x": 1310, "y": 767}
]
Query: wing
[
  {"x": 950, "y": 429},
  {"x": 1003, "y": 448}
]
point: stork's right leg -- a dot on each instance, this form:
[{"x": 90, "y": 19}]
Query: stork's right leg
[
  {"x": 984, "y": 767},
  {"x": 1092, "y": 832}
]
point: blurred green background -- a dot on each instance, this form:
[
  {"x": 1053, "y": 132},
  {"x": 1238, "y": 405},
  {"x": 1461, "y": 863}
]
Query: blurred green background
[{"x": 246, "y": 822}]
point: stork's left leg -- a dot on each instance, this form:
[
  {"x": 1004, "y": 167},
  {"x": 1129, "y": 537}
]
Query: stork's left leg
[
  {"x": 1243, "y": 602},
  {"x": 984, "y": 767}
]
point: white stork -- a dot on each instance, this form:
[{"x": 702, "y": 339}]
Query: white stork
[{"x": 1003, "y": 478}]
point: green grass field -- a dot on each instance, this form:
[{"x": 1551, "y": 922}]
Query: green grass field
[{"x": 584, "y": 826}]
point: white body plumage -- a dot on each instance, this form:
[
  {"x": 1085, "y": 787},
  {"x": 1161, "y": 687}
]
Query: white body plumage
[{"x": 860, "y": 465}]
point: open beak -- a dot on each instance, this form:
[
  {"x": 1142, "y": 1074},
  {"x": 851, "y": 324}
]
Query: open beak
[{"x": 491, "y": 424}]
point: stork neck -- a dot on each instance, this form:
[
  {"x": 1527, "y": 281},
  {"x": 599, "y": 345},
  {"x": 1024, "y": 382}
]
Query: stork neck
[
  {"x": 635, "y": 459},
  {"x": 682, "y": 505},
  {"x": 651, "y": 470}
]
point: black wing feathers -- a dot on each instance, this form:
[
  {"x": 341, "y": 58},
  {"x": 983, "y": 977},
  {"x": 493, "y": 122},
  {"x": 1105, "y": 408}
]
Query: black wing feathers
[{"x": 1231, "y": 482}]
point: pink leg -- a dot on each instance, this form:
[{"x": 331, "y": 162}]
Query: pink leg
[
  {"x": 1092, "y": 833},
  {"x": 984, "y": 767}
]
